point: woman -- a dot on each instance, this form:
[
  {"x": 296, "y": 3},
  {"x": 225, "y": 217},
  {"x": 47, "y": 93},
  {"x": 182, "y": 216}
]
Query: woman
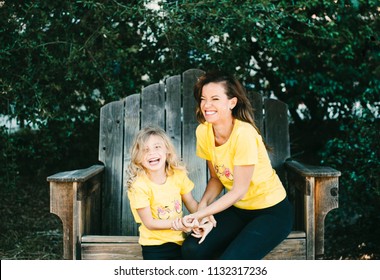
[{"x": 254, "y": 215}]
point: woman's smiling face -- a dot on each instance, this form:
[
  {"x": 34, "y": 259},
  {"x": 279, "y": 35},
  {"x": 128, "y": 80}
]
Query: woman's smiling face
[{"x": 215, "y": 105}]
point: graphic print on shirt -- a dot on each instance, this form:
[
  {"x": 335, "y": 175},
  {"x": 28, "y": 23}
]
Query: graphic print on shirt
[
  {"x": 221, "y": 171},
  {"x": 165, "y": 212}
]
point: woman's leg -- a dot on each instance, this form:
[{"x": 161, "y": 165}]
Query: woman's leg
[
  {"x": 267, "y": 228},
  {"x": 228, "y": 226}
]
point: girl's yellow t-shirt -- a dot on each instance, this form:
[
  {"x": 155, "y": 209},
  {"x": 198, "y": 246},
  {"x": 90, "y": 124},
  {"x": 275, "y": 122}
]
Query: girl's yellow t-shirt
[
  {"x": 244, "y": 147},
  {"x": 165, "y": 203}
]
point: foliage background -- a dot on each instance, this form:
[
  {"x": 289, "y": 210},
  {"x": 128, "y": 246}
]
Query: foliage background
[{"x": 60, "y": 61}]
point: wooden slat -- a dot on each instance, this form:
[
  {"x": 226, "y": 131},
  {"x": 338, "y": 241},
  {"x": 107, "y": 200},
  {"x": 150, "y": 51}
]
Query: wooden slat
[
  {"x": 109, "y": 251},
  {"x": 326, "y": 199},
  {"x": 62, "y": 205},
  {"x": 153, "y": 105},
  {"x": 289, "y": 249},
  {"x": 111, "y": 153},
  {"x": 276, "y": 128},
  {"x": 306, "y": 170},
  {"x": 131, "y": 127},
  {"x": 79, "y": 175},
  {"x": 127, "y": 248},
  {"x": 309, "y": 217},
  {"x": 257, "y": 106},
  {"x": 196, "y": 166},
  {"x": 173, "y": 111}
]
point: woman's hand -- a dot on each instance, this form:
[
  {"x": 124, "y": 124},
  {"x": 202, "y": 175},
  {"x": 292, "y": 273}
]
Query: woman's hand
[
  {"x": 203, "y": 229},
  {"x": 190, "y": 221}
]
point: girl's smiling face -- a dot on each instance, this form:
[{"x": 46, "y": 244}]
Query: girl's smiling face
[
  {"x": 215, "y": 105},
  {"x": 154, "y": 154}
]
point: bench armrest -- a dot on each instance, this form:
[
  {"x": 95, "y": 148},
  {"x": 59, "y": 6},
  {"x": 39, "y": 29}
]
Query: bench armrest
[
  {"x": 75, "y": 197},
  {"x": 314, "y": 193},
  {"x": 79, "y": 175},
  {"x": 306, "y": 170}
]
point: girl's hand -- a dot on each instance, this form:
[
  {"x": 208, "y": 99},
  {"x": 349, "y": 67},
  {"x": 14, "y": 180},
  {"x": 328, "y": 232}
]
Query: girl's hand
[{"x": 178, "y": 225}]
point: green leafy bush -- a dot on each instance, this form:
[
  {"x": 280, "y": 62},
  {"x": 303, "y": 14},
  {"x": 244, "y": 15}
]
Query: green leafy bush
[{"x": 353, "y": 229}]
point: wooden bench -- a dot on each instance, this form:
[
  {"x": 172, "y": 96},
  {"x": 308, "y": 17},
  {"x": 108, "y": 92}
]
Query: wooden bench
[{"x": 93, "y": 205}]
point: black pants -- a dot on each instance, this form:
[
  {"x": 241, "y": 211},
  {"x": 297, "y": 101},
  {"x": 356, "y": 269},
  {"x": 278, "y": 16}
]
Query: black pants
[
  {"x": 242, "y": 234},
  {"x": 166, "y": 251}
]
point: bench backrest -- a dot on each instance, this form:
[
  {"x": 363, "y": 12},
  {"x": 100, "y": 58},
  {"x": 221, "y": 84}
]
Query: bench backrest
[{"x": 170, "y": 105}]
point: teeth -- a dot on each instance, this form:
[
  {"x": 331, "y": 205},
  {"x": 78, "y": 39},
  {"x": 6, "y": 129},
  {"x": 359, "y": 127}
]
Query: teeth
[
  {"x": 210, "y": 113},
  {"x": 154, "y": 160}
]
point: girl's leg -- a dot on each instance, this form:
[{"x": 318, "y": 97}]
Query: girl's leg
[
  {"x": 166, "y": 251},
  {"x": 264, "y": 232},
  {"x": 228, "y": 226}
]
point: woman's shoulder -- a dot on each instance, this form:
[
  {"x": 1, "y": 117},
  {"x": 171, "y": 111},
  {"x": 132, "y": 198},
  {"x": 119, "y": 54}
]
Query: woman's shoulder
[
  {"x": 202, "y": 128},
  {"x": 245, "y": 128}
]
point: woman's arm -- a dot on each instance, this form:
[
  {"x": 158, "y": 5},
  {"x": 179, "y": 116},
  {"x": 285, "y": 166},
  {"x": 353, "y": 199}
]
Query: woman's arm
[
  {"x": 213, "y": 189},
  {"x": 242, "y": 178}
]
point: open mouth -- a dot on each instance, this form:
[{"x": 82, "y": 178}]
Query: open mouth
[
  {"x": 210, "y": 113},
  {"x": 154, "y": 161}
]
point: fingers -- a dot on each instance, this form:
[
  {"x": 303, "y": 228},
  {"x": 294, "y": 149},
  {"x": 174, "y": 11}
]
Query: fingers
[
  {"x": 177, "y": 224},
  {"x": 190, "y": 221},
  {"x": 212, "y": 220}
]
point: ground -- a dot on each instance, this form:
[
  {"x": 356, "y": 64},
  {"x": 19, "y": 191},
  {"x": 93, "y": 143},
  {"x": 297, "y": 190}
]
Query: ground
[{"x": 28, "y": 230}]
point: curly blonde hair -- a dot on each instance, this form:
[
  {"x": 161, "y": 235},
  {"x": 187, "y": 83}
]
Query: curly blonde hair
[{"x": 135, "y": 167}]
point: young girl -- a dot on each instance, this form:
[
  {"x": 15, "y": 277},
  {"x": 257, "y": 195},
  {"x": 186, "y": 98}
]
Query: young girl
[
  {"x": 157, "y": 186},
  {"x": 254, "y": 215}
]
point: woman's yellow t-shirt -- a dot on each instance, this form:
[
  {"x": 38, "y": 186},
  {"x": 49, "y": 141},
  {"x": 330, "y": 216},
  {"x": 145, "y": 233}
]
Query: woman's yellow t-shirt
[
  {"x": 165, "y": 203},
  {"x": 244, "y": 147}
]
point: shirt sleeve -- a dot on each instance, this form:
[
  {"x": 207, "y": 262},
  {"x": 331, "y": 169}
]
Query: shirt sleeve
[
  {"x": 246, "y": 146},
  {"x": 139, "y": 196},
  {"x": 187, "y": 185},
  {"x": 201, "y": 149}
]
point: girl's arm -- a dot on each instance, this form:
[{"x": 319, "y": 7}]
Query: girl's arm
[
  {"x": 190, "y": 203},
  {"x": 150, "y": 223},
  {"x": 242, "y": 178}
]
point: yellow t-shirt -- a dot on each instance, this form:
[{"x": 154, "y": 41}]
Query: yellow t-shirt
[
  {"x": 165, "y": 203},
  {"x": 244, "y": 147}
]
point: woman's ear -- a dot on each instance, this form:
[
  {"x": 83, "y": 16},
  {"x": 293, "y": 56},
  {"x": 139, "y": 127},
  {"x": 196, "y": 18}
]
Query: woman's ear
[{"x": 233, "y": 102}]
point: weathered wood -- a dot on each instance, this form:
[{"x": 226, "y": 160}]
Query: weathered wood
[
  {"x": 277, "y": 134},
  {"x": 131, "y": 127},
  {"x": 173, "y": 111},
  {"x": 75, "y": 199},
  {"x": 127, "y": 248},
  {"x": 111, "y": 153},
  {"x": 257, "y": 105},
  {"x": 153, "y": 105},
  {"x": 79, "y": 175},
  {"x": 326, "y": 199},
  {"x": 196, "y": 166}
]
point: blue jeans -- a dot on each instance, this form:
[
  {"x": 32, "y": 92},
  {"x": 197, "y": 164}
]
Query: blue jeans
[{"x": 242, "y": 234}]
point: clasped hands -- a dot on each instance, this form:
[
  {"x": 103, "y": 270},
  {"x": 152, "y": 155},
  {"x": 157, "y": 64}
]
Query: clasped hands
[{"x": 199, "y": 229}]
